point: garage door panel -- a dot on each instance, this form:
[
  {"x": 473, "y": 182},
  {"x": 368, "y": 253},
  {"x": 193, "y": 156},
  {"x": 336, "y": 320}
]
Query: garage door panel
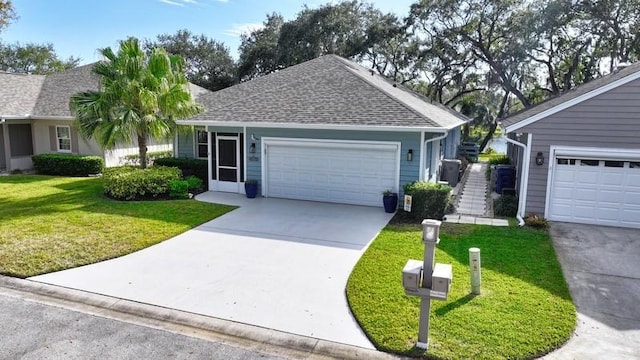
[
  {"x": 353, "y": 173},
  {"x": 607, "y": 194}
]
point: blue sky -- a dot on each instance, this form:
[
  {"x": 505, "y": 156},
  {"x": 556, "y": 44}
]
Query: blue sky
[{"x": 79, "y": 27}]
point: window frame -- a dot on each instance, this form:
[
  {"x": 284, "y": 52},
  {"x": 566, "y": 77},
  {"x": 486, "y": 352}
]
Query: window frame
[
  {"x": 197, "y": 144},
  {"x": 58, "y": 138}
]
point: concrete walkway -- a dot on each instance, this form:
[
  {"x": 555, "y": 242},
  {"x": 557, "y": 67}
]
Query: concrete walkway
[
  {"x": 279, "y": 264},
  {"x": 472, "y": 206}
]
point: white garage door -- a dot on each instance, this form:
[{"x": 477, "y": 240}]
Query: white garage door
[
  {"x": 595, "y": 191},
  {"x": 332, "y": 171}
]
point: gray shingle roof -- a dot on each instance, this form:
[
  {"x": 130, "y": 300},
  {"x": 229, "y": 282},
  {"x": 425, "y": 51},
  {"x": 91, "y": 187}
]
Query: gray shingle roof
[
  {"x": 19, "y": 93},
  {"x": 23, "y": 95},
  {"x": 328, "y": 90},
  {"x": 569, "y": 95}
]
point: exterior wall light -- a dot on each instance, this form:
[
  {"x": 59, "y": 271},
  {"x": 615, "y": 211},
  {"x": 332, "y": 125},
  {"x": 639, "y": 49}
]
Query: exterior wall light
[
  {"x": 410, "y": 155},
  {"x": 539, "y": 158},
  {"x": 252, "y": 148}
]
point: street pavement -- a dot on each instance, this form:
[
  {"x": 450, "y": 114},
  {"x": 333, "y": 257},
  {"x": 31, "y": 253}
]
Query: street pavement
[{"x": 32, "y": 330}]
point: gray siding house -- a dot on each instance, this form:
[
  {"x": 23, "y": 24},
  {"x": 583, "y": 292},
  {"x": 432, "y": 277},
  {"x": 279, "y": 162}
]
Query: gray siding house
[
  {"x": 35, "y": 119},
  {"x": 324, "y": 130},
  {"x": 578, "y": 154}
]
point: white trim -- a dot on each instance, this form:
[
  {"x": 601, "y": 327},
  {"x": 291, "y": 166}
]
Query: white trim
[
  {"x": 583, "y": 152},
  {"x": 315, "y": 126},
  {"x": 58, "y": 138},
  {"x": 433, "y": 169},
  {"x": 524, "y": 177},
  {"x": 423, "y": 146},
  {"x": 265, "y": 142},
  {"x": 572, "y": 102},
  {"x": 244, "y": 151},
  {"x": 227, "y": 185}
]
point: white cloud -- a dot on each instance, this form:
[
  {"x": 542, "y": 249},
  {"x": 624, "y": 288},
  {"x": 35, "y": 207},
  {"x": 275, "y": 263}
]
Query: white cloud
[
  {"x": 180, "y": 2},
  {"x": 244, "y": 28},
  {"x": 173, "y": 3}
]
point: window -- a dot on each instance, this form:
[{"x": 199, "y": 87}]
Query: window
[
  {"x": 63, "y": 137},
  {"x": 202, "y": 144},
  {"x": 584, "y": 162},
  {"x": 610, "y": 163},
  {"x": 563, "y": 161},
  {"x": 634, "y": 165}
]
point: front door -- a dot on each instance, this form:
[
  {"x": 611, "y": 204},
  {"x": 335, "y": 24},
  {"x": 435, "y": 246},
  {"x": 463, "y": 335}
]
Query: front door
[{"x": 227, "y": 163}]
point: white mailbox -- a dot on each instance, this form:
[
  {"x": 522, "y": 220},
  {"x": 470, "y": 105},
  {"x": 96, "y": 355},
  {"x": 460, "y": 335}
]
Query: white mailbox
[
  {"x": 441, "y": 279},
  {"x": 412, "y": 275}
]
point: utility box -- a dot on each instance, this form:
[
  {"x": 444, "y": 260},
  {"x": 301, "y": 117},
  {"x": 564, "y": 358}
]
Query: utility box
[
  {"x": 412, "y": 275},
  {"x": 451, "y": 171},
  {"x": 441, "y": 278}
]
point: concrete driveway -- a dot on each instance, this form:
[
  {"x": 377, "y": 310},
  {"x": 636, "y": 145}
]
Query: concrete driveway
[
  {"x": 602, "y": 267},
  {"x": 275, "y": 263}
]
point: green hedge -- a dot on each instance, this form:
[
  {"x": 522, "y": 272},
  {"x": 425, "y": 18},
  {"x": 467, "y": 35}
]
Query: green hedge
[
  {"x": 67, "y": 164},
  {"x": 428, "y": 200},
  {"x": 130, "y": 183},
  {"x": 189, "y": 167}
]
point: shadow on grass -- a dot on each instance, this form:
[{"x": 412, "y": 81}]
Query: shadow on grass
[
  {"x": 455, "y": 304},
  {"x": 523, "y": 253},
  {"x": 60, "y": 195}
]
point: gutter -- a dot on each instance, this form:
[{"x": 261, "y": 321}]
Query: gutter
[
  {"x": 316, "y": 126},
  {"x": 522, "y": 196}
]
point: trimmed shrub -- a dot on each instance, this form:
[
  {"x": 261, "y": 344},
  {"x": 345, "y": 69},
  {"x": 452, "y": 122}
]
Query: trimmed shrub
[
  {"x": 130, "y": 183},
  {"x": 134, "y": 159},
  {"x": 429, "y": 200},
  {"x": 194, "y": 183},
  {"x": 67, "y": 164},
  {"x": 179, "y": 189},
  {"x": 505, "y": 205},
  {"x": 189, "y": 167}
]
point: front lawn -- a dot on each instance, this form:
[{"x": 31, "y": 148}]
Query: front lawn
[
  {"x": 55, "y": 223},
  {"x": 525, "y": 309}
]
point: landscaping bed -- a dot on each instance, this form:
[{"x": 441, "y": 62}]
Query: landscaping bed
[
  {"x": 56, "y": 223},
  {"x": 524, "y": 311}
]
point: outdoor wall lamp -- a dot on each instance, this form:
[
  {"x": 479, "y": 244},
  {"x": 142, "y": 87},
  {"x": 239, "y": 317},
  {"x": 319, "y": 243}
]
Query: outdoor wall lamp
[
  {"x": 539, "y": 158},
  {"x": 410, "y": 155},
  {"x": 252, "y": 148}
]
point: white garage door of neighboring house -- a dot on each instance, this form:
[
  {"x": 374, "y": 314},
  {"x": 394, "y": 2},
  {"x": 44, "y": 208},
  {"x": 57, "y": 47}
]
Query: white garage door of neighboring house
[
  {"x": 592, "y": 190},
  {"x": 349, "y": 172}
]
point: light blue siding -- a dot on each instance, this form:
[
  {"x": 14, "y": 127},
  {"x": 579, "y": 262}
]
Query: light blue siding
[
  {"x": 451, "y": 142},
  {"x": 185, "y": 144},
  {"x": 409, "y": 170}
]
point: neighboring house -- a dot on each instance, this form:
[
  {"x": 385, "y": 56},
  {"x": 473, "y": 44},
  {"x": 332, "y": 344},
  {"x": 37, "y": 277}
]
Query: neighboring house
[
  {"x": 578, "y": 154},
  {"x": 324, "y": 130},
  {"x": 35, "y": 118}
]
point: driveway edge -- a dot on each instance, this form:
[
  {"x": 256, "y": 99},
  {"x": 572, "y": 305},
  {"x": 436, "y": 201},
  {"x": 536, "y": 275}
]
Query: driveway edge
[{"x": 190, "y": 324}]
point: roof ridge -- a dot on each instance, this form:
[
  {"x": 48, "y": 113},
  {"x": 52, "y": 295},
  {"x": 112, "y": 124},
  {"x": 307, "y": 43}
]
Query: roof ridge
[{"x": 396, "y": 85}]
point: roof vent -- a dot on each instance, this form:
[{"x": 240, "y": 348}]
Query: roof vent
[
  {"x": 395, "y": 85},
  {"x": 372, "y": 72}
]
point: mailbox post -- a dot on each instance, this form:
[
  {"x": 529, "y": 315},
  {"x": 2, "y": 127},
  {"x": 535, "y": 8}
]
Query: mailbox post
[{"x": 423, "y": 279}]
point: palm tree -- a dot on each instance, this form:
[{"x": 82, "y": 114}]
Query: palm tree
[{"x": 140, "y": 97}]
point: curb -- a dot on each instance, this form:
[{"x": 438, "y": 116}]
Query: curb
[{"x": 186, "y": 323}]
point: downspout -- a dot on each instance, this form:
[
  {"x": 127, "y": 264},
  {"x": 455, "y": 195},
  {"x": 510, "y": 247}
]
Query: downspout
[
  {"x": 526, "y": 158},
  {"x": 437, "y": 138}
]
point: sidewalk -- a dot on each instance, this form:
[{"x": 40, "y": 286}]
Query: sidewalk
[{"x": 472, "y": 207}]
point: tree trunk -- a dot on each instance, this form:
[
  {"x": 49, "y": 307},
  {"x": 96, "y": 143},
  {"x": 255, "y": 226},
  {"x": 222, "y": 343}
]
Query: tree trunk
[{"x": 142, "y": 147}]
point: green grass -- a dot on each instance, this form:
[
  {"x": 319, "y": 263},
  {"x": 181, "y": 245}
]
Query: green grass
[
  {"x": 484, "y": 157},
  {"x": 524, "y": 311},
  {"x": 55, "y": 223}
]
